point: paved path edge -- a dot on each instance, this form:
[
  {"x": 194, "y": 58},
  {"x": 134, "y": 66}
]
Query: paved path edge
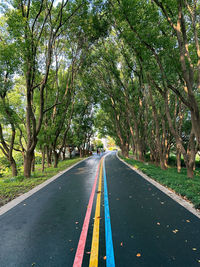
[
  {"x": 11, "y": 204},
  {"x": 187, "y": 205}
]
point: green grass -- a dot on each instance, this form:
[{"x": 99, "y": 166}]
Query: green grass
[
  {"x": 11, "y": 188},
  {"x": 186, "y": 187}
]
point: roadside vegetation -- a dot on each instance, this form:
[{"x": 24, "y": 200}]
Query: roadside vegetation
[{"x": 178, "y": 182}]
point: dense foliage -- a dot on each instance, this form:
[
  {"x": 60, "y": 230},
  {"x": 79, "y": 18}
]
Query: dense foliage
[{"x": 129, "y": 68}]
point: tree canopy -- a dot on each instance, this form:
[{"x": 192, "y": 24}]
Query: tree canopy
[{"x": 127, "y": 69}]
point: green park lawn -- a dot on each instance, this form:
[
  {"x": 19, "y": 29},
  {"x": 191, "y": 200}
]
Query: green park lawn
[
  {"x": 13, "y": 187},
  {"x": 178, "y": 182}
]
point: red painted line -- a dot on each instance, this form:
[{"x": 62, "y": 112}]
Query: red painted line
[{"x": 81, "y": 244}]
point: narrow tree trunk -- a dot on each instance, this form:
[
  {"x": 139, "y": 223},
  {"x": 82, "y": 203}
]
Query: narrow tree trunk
[
  {"x": 166, "y": 155},
  {"x": 139, "y": 151},
  {"x": 33, "y": 164},
  {"x": 166, "y": 158},
  {"x": 43, "y": 159},
  {"x": 157, "y": 131},
  {"x": 190, "y": 171},
  {"x": 162, "y": 164},
  {"x": 14, "y": 167},
  {"x": 28, "y": 158},
  {"x": 64, "y": 150},
  {"x": 8, "y": 151},
  {"x": 70, "y": 152},
  {"x": 133, "y": 149},
  {"x": 191, "y": 152},
  {"x": 81, "y": 153},
  {"x": 56, "y": 157},
  {"x": 125, "y": 151},
  {"x": 178, "y": 159},
  {"x": 151, "y": 157},
  {"x": 48, "y": 156}
]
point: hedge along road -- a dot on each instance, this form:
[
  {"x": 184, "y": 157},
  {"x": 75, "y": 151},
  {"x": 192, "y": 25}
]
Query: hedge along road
[{"x": 99, "y": 213}]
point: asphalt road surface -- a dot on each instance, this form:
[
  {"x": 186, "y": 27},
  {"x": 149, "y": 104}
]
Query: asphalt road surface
[{"x": 99, "y": 213}]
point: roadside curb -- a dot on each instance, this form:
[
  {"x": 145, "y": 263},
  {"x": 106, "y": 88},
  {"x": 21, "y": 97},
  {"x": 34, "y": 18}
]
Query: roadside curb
[
  {"x": 187, "y": 205},
  {"x": 21, "y": 198}
]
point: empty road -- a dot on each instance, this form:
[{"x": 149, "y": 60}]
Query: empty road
[{"x": 99, "y": 213}]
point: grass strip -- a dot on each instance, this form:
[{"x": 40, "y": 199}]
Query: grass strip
[
  {"x": 11, "y": 188},
  {"x": 178, "y": 182}
]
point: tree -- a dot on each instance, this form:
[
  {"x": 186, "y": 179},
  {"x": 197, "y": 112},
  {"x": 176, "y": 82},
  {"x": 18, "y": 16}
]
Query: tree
[
  {"x": 39, "y": 23},
  {"x": 8, "y": 117}
]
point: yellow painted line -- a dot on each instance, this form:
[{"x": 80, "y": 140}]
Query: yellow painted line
[{"x": 95, "y": 236}]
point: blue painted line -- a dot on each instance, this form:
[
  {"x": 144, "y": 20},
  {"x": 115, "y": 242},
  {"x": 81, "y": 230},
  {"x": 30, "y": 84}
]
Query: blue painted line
[{"x": 110, "y": 259}]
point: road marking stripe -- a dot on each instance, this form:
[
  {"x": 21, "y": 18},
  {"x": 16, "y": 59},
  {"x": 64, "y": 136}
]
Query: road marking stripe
[
  {"x": 110, "y": 259},
  {"x": 81, "y": 245},
  {"x": 95, "y": 236}
]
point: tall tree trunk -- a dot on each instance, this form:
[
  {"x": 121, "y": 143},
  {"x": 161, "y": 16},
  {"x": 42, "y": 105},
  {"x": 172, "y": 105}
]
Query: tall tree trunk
[
  {"x": 190, "y": 170},
  {"x": 81, "y": 152},
  {"x": 139, "y": 151},
  {"x": 63, "y": 152},
  {"x": 189, "y": 155},
  {"x": 56, "y": 157},
  {"x": 191, "y": 152},
  {"x": 49, "y": 155},
  {"x": 125, "y": 150},
  {"x": 28, "y": 158},
  {"x": 14, "y": 167},
  {"x": 43, "y": 159},
  {"x": 178, "y": 159},
  {"x": 8, "y": 150},
  {"x": 70, "y": 152},
  {"x": 157, "y": 136},
  {"x": 33, "y": 164}
]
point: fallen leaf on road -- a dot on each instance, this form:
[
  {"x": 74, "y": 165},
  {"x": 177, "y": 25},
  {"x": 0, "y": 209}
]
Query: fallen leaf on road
[
  {"x": 162, "y": 203},
  {"x": 76, "y": 222},
  {"x": 121, "y": 244},
  {"x": 194, "y": 249},
  {"x": 104, "y": 257},
  {"x": 88, "y": 252},
  {"x": 158, "y": 223},
  {"x": 138, "y": 255},
  {"x": 175, "y": 231},
  {"x": 187, "y": 221}
]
